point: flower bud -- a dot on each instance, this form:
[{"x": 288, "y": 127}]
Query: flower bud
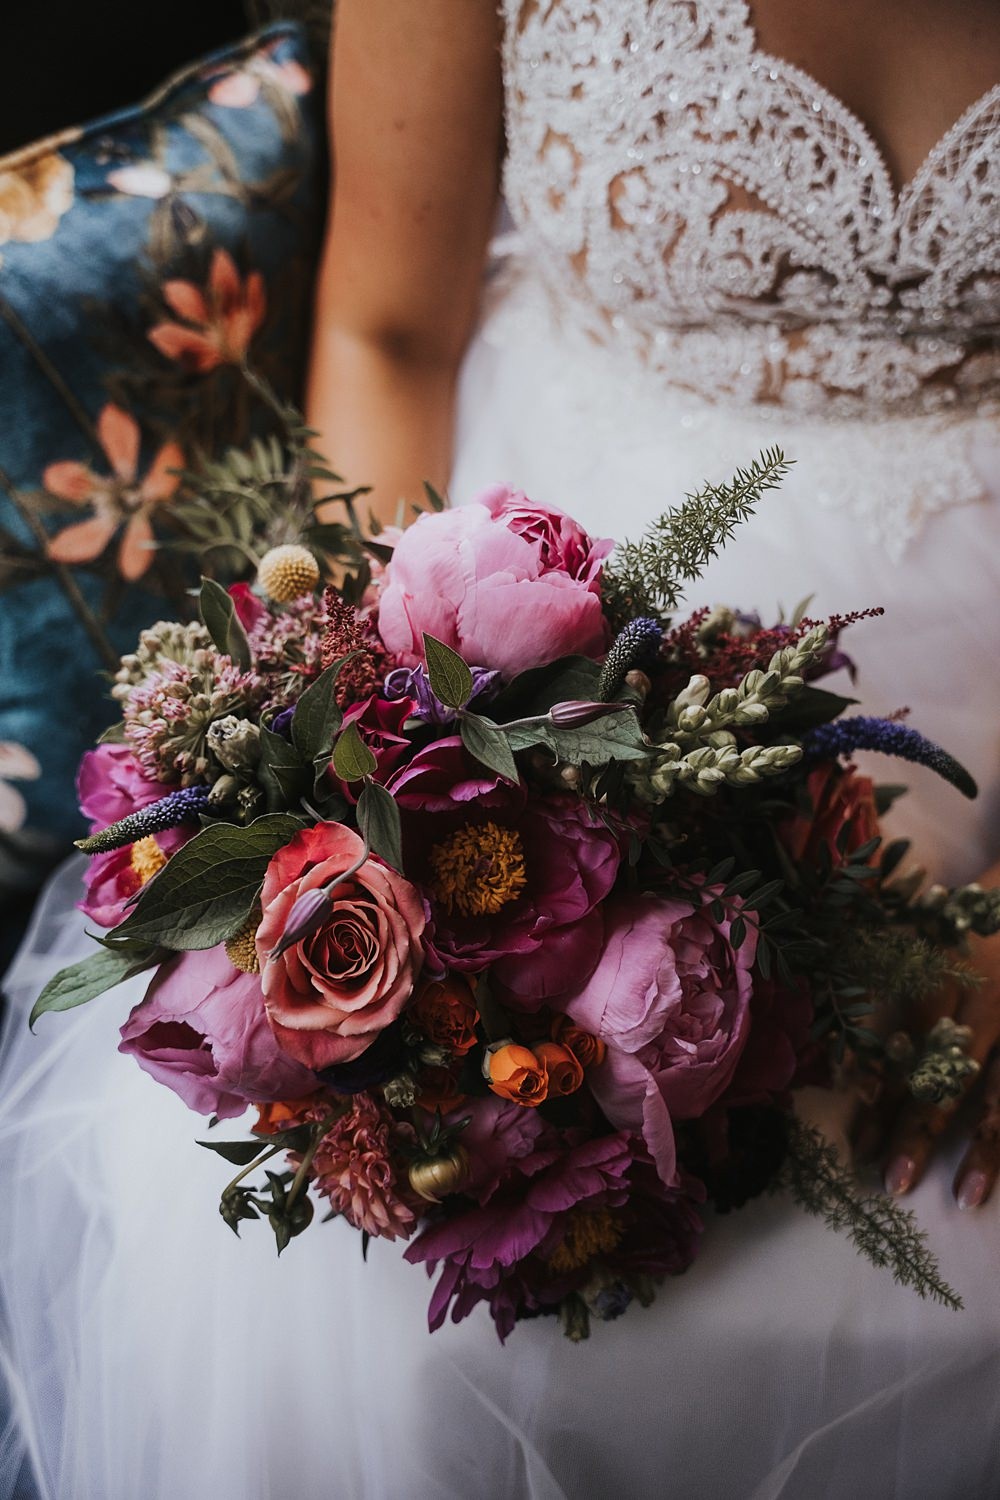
[
  {"x": 234, "y": 742},
  {"x": 562, "y": 1066},
  {"x": 575, "y": 714},
  {"x": 515, "y": 1073},
  {"x": 307, "y": 916},
  {"x": 437, "y": 1176},
  {"x": 696, "y": 692}
]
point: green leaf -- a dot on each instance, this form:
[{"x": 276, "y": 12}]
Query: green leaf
[
  {"x": 218, "y": 613},
  {"x": 240, "y": 1153},
  {"x": 489, "y": 745},
  {"x": 87, "y": 979},
  {"x": 810, "y": 707},
  {"x": 616, "y": 737},
  {"x": 434, "y": 500},
  {"x": 570, "y": 679},
  {"x": 378, "y": 820},
  {"x": 352, "y": 759},
  {"x": 450, "y": 678},
  {"x": 317, "y": 718},
  {"x": 113, "y": 735},
  {"x": 204, "y": 893},
  {"x": 281, "y": 772}
]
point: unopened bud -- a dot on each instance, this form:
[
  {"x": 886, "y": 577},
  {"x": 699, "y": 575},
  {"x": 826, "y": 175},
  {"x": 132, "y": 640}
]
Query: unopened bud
[
  {"x": 575, "y": 714},
  {"x": 307, "y": 916}
]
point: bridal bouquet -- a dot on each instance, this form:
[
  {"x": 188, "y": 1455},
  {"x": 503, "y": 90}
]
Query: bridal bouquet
[{"x": 516, "y": 904}]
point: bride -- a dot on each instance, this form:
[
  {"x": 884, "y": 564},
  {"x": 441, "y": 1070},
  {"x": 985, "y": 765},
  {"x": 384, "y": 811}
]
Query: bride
[{"x": 709, "y": 252}]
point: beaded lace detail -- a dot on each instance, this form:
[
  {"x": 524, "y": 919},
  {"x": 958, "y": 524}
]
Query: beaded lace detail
[{"x": 716, "y": 211}]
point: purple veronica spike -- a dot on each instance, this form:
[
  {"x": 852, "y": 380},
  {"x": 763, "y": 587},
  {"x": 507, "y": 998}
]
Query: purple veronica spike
[
  {"x": 184, "y": 806},
  {"x": 860, "y": 732},
  {"x": 636, "y": 645}
]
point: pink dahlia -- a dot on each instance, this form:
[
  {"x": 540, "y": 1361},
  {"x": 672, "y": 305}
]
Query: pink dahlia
[{"x": 359, "y": 1167}]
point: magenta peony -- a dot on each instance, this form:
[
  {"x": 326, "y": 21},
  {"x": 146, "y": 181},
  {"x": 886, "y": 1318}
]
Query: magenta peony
[
  {"x": 111, "y": 784},
  {"x": 507, "y": 584},
  {"x": 508, "y": 877},
  {"x": 330, "y": 995},
  {"x": 671, "y": 998},
  {"x": 203, "y": 1032}
]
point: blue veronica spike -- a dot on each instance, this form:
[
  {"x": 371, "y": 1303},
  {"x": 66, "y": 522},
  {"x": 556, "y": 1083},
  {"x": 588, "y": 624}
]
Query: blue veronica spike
[
  {"x": 888, "y": 736},
  {"x": 183, "y": 806}
]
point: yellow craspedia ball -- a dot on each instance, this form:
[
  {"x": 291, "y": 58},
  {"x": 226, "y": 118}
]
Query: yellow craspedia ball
[{"x": 286, "y": 573}]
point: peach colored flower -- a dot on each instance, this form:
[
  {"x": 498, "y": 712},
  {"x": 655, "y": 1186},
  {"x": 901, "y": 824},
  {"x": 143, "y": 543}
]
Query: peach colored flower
[
  {"x": 16, "y": 764},
  {"x": 218, "y": 324},
  {"x": 34, "y": 197},
  {"x": 116, "y": 497},
  {"x": 241, "y": 87},
  {"x": 518, "y": 1075}
]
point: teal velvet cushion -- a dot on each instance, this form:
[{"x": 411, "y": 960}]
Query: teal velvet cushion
[{"x": 142, "y": 258}]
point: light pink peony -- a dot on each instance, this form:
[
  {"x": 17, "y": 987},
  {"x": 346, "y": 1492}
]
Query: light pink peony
[
  {"x": 330, "y": 995},
  {"x": 356, "y": 1167},
  {"x": 671, "y": 998},
  {"x": 507, "y": 584},
  {"x": 203, "y": 1032}
]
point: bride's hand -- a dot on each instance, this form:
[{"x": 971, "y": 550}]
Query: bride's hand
[{"x": 918, "y": 1126}]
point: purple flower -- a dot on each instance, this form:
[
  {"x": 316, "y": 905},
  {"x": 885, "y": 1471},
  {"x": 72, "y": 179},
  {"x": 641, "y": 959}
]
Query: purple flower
[
  {"x": 505, "y": 874},
  {"x": 202, "y": 1030},
  {"x": 411, "y": 682}
]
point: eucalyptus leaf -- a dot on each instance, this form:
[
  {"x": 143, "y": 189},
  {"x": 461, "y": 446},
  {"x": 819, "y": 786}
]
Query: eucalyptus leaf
[
  {"x": 378, "y": 820},
  {"x": 87, "y": 979},
  {"x": 449, "y": 676},
  {"x": 205, "y": 891},
  {"x": 489, "y": 744},
  {"x": 317, "y": 717},
  {"x": 218, "y": 613},
  {"x": 352, "y": 759}
]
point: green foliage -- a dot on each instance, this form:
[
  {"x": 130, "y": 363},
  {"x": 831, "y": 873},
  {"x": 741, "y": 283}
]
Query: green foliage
[
  {"x": 87, "y": 979},
  {"x": 879, "y": 1228},
  {"x": 205, "y": 892},
  {"x": 317, "y": 717},
  {"x": 647, "y": 577},
  {"x": 218, "y": 615},
  {"x": 378, "y": 822},
  {"x": 489, "y": 745},
  {"x": 449, "y": 676},
  {"x": 281, "y": 772},
  {"x": 352, "y": 759},
  {"x": 569, "y": 679},
  {"x": 616, "y": 737}
]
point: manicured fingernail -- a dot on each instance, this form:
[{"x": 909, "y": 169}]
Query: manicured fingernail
[
  {"x": 899, "y": 1175},
  {"x": 973, "y": 1189}
]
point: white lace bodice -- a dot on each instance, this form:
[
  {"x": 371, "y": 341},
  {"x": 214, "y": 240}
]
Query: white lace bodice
[{"x": 716, "y": 211}]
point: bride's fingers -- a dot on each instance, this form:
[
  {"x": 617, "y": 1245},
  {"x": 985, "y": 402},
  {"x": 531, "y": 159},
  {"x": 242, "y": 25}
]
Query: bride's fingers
[{"x": 977, "y": 1175}]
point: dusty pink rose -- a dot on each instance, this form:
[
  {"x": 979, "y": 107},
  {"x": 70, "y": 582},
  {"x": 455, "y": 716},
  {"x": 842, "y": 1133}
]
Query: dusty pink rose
[
  {"x": 329, "y": 996},
  {"x": 671, "y": 998},
  {"x": 203, "y": 1032},
  {"x": 494, "y": 588},
  {"x": 359, "y": 1166}
]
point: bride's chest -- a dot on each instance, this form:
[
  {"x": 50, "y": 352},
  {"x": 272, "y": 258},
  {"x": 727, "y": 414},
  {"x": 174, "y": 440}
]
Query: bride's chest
[{"x": 659, "y": 156}]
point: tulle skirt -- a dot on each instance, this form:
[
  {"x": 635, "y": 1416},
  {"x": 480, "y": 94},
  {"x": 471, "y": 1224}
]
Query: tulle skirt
[{"x": 149, "y": 1353}]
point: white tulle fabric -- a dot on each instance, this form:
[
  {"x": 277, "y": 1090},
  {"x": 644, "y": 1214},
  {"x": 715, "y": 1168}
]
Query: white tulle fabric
[{"x": 666, "y": 305}]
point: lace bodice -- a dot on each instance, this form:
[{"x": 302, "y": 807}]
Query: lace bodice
[{"x": 731, "y": 222}]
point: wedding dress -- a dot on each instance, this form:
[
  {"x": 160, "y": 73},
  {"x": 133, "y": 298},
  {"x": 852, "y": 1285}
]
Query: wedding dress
[{"x": 708, "y": 256}]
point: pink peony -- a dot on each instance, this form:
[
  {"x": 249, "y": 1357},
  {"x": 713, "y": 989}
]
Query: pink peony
[
  {"x": 356, "y": 1168},
  {"x": 671, "y": 998},
  {"x": 111, "y": 784},
  {"x": 203, "y": 1032},
  {"x": 329, "y": 996},
  {"x": 507, "y": 584}
]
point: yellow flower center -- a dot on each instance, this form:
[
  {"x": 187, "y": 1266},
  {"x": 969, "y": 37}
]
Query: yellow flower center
[
  {"x": 590, "y": 1233},
  {"x": 147, "y": 858},
  {"x": 478, "y": 869},
  {"x": 241, "y": 948}
]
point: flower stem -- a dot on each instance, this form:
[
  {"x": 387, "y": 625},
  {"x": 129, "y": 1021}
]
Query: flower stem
[
  {"x": 306, "y": 1162},
  {"x": 258, "y": 1161}
]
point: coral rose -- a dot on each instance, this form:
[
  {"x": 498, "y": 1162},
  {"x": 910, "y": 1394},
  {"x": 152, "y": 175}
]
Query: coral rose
[
  {"x": 493, "y": 581},
  {"x": 564, "y": 1072},
  {"x": 331, "y": 994},
  {"x": 202, "y": 1031},
  {"x": 671, "y": 998}
]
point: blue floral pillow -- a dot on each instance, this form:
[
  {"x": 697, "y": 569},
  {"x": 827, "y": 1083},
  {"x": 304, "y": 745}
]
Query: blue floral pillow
[{"x": 142, "y": 260}]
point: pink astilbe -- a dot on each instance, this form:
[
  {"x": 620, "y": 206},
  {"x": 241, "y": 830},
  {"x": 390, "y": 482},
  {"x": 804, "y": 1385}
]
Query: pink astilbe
[{"x": 358, "y": 1166}]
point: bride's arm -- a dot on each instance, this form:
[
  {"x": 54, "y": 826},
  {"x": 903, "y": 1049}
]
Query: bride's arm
[{"x": 416, "y": 127}]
